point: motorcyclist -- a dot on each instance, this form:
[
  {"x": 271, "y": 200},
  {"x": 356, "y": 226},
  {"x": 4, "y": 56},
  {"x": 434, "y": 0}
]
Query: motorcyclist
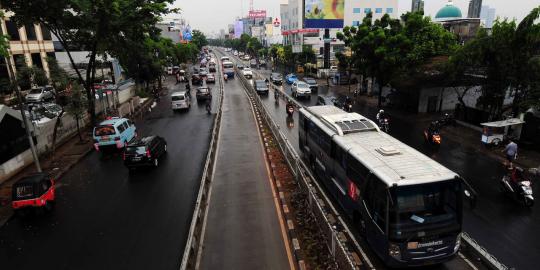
[
  {"x": 225, "y": 77},
  {"x": 381, "y": 115},
  {"x": 289, "y": 105},
  {"x": 348, "y": 104},
  {"x": 276, "y": 94},
  {"x": 208, "y": 105},
  {"x": 433, "y": 128}
]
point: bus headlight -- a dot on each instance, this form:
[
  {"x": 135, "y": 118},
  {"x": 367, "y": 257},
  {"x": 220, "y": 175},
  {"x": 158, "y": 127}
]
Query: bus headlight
[
  {"x": 393, "y": 250},
  {"x": 458, "y": 243}
]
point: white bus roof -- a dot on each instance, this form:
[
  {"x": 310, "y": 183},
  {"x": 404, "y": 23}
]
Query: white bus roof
[{"x": 392, "y": 161}]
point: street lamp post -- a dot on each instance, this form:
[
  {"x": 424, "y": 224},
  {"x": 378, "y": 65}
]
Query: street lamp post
[{"x": 23, "y": 114}]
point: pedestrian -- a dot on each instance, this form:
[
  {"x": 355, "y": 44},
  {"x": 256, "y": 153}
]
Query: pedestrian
[
  {"x": 510, "y": 151},
  {"x": 177, "y": 77}
]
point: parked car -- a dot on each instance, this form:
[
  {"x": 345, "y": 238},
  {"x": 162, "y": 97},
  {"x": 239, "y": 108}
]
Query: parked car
[
  {"x": 241, "y": 54},
  {"x": 291, "y": 78},
  {"x": 43, "y": 112},
  {"x": 169, "y": 70},
  {"x": 313, "y": 85},
  {"x": 240, "y": 67},
  {"x": 203, "y": 93},
  {"x": 210, "y": 78},
  {"x": 300, "y": 89},
  {"x": 247, "y": 73},
  {"x": 144, "y": 152},
  {"x": 342, "y": 79},
  {"x": 325, "y": 100},
  {"x": 180, "y": 100},
  {"x": 246, "y": 57},
  {"x": 262, "y": 63},
  {"x": 261, "y": 87},
  {"x": 32, "y": 192},
  {"x": 276, "y": 78},
  {"x": 332, "y": 71},
  {"x": 114, "y": 132},
  {"x": 40, "y": 94}
]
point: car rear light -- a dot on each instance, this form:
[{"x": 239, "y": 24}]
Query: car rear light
[{"x": 148, "y": 154}]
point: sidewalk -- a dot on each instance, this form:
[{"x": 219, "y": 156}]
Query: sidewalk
[{"x": 459, "y": 133}]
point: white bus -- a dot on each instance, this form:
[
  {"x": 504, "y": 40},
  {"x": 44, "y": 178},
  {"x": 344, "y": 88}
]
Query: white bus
[
  {"x": 408, "y": 207},
  {"x": 228, "y": 68}
]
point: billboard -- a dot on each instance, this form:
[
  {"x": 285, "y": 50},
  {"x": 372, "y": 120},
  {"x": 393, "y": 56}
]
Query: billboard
[
  {"x": 238, "y": 29},
  {"x": 257, "y": 14},
  {"x": 324, "y": 13}
]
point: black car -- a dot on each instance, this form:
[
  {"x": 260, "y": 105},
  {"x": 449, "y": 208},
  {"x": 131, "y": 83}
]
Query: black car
[
  {"x": 276, "y": 78},
  {"x": 313, "y": 85},
  {"x": 196, "y": 79},
  {"x": 261, "y": 87},
  {"x": 203, "y": 93},
  {"x": 326, "y": 100},
  {"x": 145, "y": 151}
]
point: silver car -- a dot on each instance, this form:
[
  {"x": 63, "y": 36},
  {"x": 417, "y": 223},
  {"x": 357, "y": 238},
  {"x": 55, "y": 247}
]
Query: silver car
[
  {"x": 40, "y": 94},
  {"x": 300, "y": 89}
]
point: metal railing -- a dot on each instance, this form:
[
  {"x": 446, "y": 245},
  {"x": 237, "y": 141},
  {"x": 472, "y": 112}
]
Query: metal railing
[
  {"x": 338, "y": 239},
  {"x": 189, "y": 258}
]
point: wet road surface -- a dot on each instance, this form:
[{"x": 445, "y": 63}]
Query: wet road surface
[
  {"x": 108, "y": 219},
  {"x": 243, "y": 228},
  {"x": 503, "y": 226}
]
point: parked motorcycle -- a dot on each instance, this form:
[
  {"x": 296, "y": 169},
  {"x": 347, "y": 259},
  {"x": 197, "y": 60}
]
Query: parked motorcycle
[
  {"x": 384, "y": 124},
  {"x": 519, "y": 186},
  {"x": 448, "y": 120}
]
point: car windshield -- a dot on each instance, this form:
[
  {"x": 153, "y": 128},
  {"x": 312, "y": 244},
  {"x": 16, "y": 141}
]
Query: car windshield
[
  {"x": 36, "y": 91},
  {"x": 425, "y": 204},
  {"x": 202, "y": 90},
  {"x": 138, "y": 150},
  {"x": 175, "y": 98},
  {"x": 25, "y": 191},
  {"x": 260, "y": 83},
  {"x": 105, "y": 130},
  {"x": 302, "y": 85},
  {"x": 309, "y": 80}
]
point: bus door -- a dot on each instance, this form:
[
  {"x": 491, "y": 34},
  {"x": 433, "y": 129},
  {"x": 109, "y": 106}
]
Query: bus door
[{"x": 376, "y": 215}]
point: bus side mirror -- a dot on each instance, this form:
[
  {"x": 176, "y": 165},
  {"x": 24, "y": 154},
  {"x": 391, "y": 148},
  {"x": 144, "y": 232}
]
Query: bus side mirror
[{"x": 470, "y": 197}]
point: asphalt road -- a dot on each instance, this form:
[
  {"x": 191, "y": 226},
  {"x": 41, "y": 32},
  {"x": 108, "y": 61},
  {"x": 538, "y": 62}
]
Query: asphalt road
[
  {"x": 107, "y": 219},
  {"x": 504, "y": 227},
  {"x": 243, "y": 227}
]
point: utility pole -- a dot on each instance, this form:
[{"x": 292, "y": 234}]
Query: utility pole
[{"x": 23, "y": 114}]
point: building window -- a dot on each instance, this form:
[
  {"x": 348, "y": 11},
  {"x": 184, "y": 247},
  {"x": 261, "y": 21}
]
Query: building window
[
  {"x": 389, "y": 10},
  {"x": 36, "y": 60},
  {"x": 30, "y": 32},
  {"x": 367, "y": 10},
  {"x": 12, "y": 30},
  {"x": 45, "y": 33},
  {"x": 20, "y": 61},
  {"x": 356, "y": 10},
  {"x": 378, "y": 10},
  {"x": 355, "y": 23}
]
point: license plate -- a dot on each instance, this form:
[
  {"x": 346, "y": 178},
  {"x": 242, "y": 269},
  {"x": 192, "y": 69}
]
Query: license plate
[
  {"x": 105, "y": 138},
  {"x": 136, "y": 159}
]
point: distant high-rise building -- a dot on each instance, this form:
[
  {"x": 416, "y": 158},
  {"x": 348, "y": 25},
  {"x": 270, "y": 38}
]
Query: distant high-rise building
[
  {"x": 417, "y": 5},
  {"x": 487, "y": 15},
  {"x": 475, "y": 7}
]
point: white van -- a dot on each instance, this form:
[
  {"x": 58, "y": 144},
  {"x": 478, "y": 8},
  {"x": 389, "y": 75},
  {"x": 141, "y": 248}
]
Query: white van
[{"x": 180, "y": 100}]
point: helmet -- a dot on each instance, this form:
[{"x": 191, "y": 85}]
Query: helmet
[{"x": 381, "y": 111}]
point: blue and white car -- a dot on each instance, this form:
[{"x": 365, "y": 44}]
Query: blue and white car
[
  {"x": 291, "y": 78},
  {"x": 115, "y": 132}
]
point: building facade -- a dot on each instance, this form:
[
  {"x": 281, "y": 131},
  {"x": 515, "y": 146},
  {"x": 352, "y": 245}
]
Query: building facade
[
  {"x": 487, "y": 16},
  {"x": 417, "y": 6},
  {"x": 29, "y": 45},
  {"x": 475, "y": 7},
  {"x": 356, "y": 10}
]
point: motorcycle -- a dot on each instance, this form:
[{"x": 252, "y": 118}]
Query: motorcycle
[
  {"x": 384, "y": 124},
  {"x": 521, "y": 189},
  {"x": 276, "y": 95},
  {"x": 225, "y": 77},
  {"x": 448, "y": 120},
  {"x": 433, "y": 137},
  {"x": 290, "y": 109}
]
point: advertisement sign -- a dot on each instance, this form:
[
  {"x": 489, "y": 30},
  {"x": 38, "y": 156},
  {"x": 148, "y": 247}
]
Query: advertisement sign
[
  {"x": 257, "y": 14},
  {"x": 269, "y": 30},
  {"x": 186, "y": 33},
  {"x": 256, "y": 31},
  {"x": 299, "y": 31},
  {"x": 324, "y": 13},
  {"x": 238, "y": 29}
]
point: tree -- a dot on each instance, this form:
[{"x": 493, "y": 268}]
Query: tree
[
  {"x": 199, "y": 39},
  {"x": 98, "y": 26},
  {"x": 60, "y": 81},
  {"x": 28, "y": 77},
  {"x": 76, "y": 106}
]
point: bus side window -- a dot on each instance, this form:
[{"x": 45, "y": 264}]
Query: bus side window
[{"x": 376, "y": 200}]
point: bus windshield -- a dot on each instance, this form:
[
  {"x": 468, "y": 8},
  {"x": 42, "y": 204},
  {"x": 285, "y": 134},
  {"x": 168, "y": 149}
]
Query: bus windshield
[
  {"x": 426, "y": 206},
  {"x": 227, "y": 65}
]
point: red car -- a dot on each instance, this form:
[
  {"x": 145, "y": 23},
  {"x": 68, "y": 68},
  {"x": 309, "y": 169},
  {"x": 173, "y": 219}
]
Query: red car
[{"x": 36, "y": 191}]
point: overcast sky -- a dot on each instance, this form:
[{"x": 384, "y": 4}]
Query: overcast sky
[{"x": 213, "y": 15}]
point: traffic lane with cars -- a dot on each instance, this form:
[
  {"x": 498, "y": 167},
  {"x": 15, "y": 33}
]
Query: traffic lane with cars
[
  {"x": 494, "y": 214},
  {"x": 108, "y": 219}
]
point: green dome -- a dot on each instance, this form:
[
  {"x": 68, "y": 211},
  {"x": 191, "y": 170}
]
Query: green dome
[{"x": 449, "y": 11}]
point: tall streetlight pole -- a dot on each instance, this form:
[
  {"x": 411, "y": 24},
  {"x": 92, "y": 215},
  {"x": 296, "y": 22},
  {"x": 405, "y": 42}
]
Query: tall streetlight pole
[{"x": 23, "y": 114}]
